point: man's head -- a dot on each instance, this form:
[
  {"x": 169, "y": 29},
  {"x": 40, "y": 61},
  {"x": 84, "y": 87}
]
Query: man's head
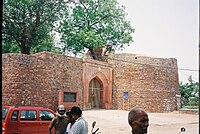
[
  {"x": 69, "y": 118},
  {"x": 138, "y": 120},
  {"x": 76, "y": 112},
  {"x": 61, "y": 111}
]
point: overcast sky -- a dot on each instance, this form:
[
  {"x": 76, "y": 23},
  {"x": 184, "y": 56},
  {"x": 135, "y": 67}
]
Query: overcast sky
[{"x": 166, "y": 29}]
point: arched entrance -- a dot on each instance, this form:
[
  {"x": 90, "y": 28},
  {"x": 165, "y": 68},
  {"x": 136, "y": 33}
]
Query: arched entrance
[
  {"x": 97, "y": 85},
  {"x": 95, "y": 94}
]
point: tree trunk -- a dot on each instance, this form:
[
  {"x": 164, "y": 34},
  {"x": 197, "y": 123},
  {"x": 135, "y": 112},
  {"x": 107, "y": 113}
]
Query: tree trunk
[
  {"x": 96, "y": 53},
  {"x": 24, "y": 48},
  {"x": 93, "y": 54}
]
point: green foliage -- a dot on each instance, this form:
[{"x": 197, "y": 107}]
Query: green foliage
[
  {"x": 47, "y": 45},
  {"x": 28, "y": 23},
  {"x": 189, "y": 93},
  {"x": 92, "y": 24},
  {"x": 87, "y": 24},
  {"x": 10, "y": 47}
]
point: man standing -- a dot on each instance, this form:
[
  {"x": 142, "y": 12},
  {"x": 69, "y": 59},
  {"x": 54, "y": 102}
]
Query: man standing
[
  {"x": 70, "y": 124},
  {"x": 81, "y": 125},
  {"x": 138, "y": 120},
  {"x": 60, "y": 122}
]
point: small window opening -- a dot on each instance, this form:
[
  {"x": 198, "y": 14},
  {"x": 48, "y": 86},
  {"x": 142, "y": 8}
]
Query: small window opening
[{"x": 69, "y": 97}]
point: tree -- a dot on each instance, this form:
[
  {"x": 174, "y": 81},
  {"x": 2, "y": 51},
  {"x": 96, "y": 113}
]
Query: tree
[
  {"x": 94, "y": 24},
  {"x": 27, "y": 23},
  {"x": 189, "y": 92},
  {"x": 47, "y": 44},
  {"x": 9, "y": 47}
]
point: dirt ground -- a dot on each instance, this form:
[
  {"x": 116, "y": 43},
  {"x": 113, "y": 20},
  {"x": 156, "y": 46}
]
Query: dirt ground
[{"x": 115, "y": 122}]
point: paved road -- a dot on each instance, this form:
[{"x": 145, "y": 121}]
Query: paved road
[{"x": 115, "y": 122}]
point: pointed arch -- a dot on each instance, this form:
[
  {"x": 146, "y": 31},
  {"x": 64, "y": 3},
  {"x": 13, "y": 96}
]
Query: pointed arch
[
  {"x": 101, "y": 78},
  {"x": 100, "y": 73},
  {"x": 98, "y": 89}
]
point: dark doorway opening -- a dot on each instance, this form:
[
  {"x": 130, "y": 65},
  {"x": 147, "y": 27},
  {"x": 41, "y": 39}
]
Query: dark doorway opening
[{"x": 95, "y": 94}]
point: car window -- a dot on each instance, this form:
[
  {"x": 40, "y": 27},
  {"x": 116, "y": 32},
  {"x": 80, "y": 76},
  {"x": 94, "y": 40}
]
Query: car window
[
  {"x": 28, "y": 115},
  {"x": 46, "y": 115},
  {"x": 14, "y": 116},
  {"x": 4, "y": 112}
]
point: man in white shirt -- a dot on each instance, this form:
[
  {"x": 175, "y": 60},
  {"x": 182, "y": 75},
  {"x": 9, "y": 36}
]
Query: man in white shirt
[
  {"x": 71, "y": 122},
  {"x": 81, "y": 125}
]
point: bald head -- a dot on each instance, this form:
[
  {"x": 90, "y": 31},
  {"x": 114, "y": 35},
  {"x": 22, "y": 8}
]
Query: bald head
[
  {"x": 133, "y": 114},
  {"x": 138, "y": 120}
]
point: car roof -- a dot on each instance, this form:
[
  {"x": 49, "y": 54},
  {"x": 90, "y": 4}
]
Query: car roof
[{"x": 27, "y": 107}]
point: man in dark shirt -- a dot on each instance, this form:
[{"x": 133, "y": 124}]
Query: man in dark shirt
[{"x": 59, "y": 122}]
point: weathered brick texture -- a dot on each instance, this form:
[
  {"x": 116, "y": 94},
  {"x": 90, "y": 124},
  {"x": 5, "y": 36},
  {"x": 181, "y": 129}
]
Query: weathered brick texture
[
  {"x": 37, "y": 78},
  {"x": 152, "y": 83}
]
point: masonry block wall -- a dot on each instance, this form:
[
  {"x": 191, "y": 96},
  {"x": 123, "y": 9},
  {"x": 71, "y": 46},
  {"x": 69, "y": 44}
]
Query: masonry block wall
[
  {"x": 36, "y": 79},
  {"x": 151, "y": 83}
]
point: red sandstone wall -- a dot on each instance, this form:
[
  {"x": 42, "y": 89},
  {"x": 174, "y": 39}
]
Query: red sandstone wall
[
  {"x": 152, "y": 83},
  {"x": 103, "y": 72},
  {"x": 37, "y": 78}
]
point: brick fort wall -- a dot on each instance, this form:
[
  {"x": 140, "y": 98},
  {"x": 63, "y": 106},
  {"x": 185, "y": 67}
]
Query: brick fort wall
[
  {"x": 36, "y": 79},
  {"x": 151, "y": 83}
]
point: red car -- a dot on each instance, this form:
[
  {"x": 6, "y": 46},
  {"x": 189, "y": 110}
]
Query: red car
[{"x": 26, "y": 119}]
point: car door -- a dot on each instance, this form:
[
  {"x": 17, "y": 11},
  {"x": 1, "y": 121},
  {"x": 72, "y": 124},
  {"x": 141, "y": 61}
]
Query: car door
[
  {"x": 13, "y": 122},
  {"x": 28, "y": 123},
  {"x": 45, "y": 118}
]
